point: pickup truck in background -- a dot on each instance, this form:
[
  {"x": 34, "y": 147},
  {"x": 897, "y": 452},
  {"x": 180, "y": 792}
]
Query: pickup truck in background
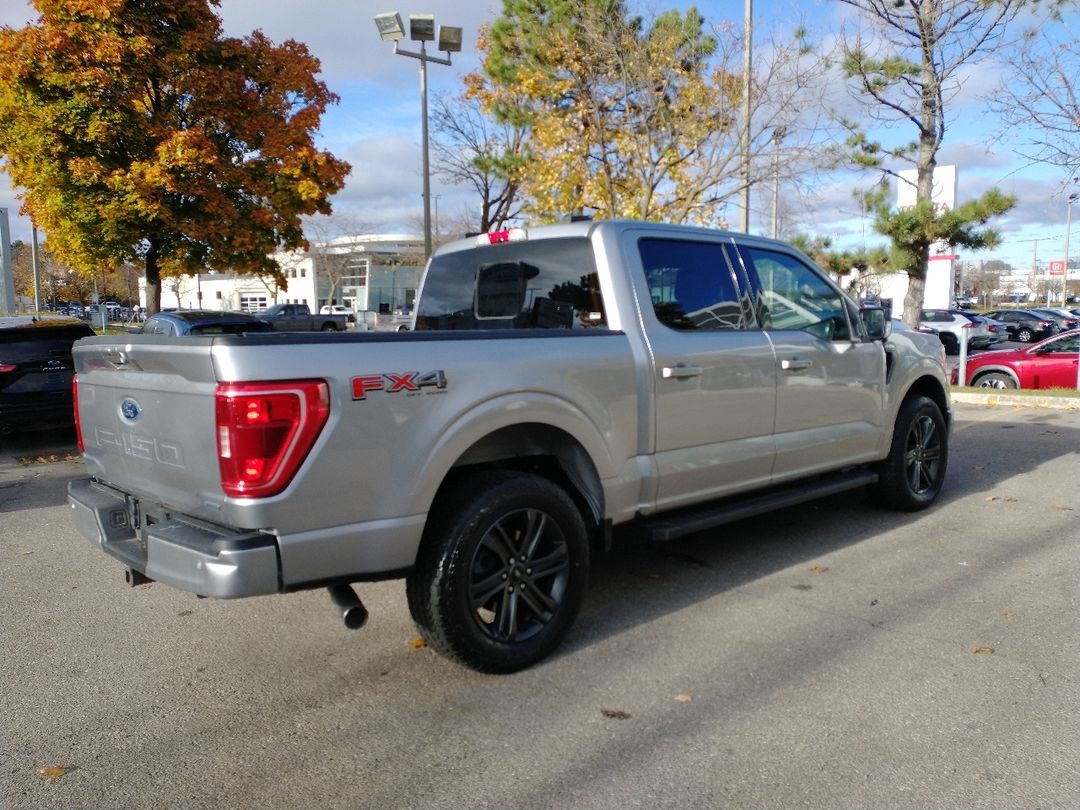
[
  {"x": 298, "y": 318},
  {"x": 559, "y": 381}
]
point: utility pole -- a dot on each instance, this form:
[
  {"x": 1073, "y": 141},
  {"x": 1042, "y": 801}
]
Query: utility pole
[
  {"x": 7, "y": 283},
  {"x": 744, "y": 145},
  {"x": 35, "y": 259}
]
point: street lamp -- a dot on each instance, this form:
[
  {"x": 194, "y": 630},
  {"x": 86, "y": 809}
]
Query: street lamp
[
  {"x": 1068, "y": 228},
  {"x": 422, "y": 30},
  {"x": 1065, "y": 279}
]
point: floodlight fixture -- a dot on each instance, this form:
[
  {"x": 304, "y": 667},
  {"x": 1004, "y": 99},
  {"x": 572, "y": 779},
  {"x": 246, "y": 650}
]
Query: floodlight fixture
[
  {"x": 391, "y": 29},
  {"x": 422, "y": 27},
  {"x": 422, "y": 30},
  {"x": 450, "y": 38}
]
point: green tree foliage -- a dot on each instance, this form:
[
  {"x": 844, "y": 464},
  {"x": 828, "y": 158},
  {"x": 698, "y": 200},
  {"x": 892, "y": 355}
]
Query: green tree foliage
[
  {"x": 906, "y": 65},
  {"x": 620, "y": 114},
  {"x": 135, "y": 130},
  {"x": 853, "y": 268}
]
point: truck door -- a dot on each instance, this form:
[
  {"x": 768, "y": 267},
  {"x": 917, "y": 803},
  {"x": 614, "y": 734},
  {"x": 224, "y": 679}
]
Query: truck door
[
  {"x": 714, "y": 374},
  {"x": 831, "y": 382}
]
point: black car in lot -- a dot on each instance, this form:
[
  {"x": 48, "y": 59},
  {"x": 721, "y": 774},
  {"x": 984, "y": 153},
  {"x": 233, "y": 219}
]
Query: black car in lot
[
  {"x": 36, "y": 370},
  {"x": 1024, "y": 325}
]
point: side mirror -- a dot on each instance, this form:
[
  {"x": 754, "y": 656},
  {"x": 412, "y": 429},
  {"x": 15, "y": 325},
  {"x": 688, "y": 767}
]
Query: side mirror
[{"x": 874, "y": 322}]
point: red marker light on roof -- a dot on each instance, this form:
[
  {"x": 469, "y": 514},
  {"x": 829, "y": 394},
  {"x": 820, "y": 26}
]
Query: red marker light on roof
[{"x": 499, "y": 237}]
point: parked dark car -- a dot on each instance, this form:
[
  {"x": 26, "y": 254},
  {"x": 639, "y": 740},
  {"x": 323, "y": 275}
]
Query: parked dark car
[
  {"x": 1024, "y": 325},
  {"x": 1064, "y": 322},
  {"x": 36, "y": 371},
  {"x": 202, "y": 322},
  {"x": 1048, "y": 364}
]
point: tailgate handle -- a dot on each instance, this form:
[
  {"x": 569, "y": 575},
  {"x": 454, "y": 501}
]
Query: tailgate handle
[
  {"x": 796, "y": 364},
  {"x": 681, "y": 371}
]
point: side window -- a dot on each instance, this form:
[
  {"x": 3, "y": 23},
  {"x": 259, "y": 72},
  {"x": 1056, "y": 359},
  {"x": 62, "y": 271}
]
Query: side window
[
  {"x": 797, "y": 298},
  {"x": 691, "y": 285}
]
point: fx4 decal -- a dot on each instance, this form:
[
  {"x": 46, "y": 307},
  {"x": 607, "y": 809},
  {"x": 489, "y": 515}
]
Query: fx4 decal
[{"x": 411, "y": 382}]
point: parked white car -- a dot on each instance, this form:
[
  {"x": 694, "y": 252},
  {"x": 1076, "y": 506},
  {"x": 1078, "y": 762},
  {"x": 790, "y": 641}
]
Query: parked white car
[{"x": 951, "y": 324}]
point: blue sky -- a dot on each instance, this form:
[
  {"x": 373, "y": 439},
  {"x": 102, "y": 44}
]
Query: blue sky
[{"x": 376, "y": 126}]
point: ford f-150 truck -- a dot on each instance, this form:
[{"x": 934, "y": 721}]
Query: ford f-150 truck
[
  {"x": 298, "y": 318},
  {"x": 559, "y": 381}
]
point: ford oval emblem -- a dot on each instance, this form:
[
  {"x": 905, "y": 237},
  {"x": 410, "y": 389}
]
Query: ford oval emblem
[{"x": 130, "y": 409}]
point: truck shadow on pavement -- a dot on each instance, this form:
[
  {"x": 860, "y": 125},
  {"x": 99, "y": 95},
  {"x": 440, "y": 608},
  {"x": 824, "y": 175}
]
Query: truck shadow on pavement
[
  {"x": 35, "y": 468},
  {"x": 639, "y": 582}
]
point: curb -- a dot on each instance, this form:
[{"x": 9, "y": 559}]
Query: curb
[{"x": 993, "y": 400}]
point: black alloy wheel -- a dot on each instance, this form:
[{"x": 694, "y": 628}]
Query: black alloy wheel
[
  {"x": 911, "y": 476},
  {"x": 501, "y": 571}
]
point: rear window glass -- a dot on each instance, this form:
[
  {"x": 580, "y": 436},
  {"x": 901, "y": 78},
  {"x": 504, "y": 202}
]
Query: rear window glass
[
  {"x": 545, "y": 284},
  {"x": 230, "y": 328},
  {"x": 33, "y": 342}
]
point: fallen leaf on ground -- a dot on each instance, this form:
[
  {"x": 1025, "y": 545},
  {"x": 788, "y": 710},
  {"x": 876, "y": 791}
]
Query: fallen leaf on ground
[
  {"x": 1004, "y": 498},
  {"x": 980, "y": 650},
  {"x": 615, "y": 714},
  {"x": 1005, "y": 614},
  {"x": 52, "y": 771},
  {"x": 818, "y": 569},
  {"x": 418, "y": 644},
  {"x": 682, "y": 698}
]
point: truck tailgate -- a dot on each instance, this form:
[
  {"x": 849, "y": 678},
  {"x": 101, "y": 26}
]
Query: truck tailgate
[{"x": 146, "y": 409}]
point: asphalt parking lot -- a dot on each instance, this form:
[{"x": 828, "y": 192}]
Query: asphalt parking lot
[{"x": 829, "y": 656}]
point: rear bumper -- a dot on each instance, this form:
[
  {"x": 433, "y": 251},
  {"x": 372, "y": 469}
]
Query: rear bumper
[
  {"x": 37, "y": 411},
  {"x": 181, "y": 552}
]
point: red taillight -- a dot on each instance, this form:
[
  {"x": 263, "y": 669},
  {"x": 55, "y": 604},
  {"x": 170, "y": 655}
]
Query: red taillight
[
  {"x": 265, "y": 431},
  {"x": 75, "y": 402},
  {"x": 6, "y": 368}
]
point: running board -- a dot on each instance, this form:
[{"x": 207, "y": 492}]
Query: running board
[{"x": 674, "y": 526}]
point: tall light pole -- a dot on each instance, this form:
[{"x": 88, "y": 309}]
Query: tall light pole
[
  {"x": 744, "y": 137},
  {"x": 1065, "y": 279},
  {"x": 778, "y": 135},
  {"x": 1068, "y": 228},
  {"x": 422, "y": 30}
]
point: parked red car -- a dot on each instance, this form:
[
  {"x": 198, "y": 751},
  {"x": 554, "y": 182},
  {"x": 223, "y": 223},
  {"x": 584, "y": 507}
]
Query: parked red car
[{"x": 1050, "y": 363}]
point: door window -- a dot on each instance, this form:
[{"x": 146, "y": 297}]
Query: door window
[
  {"x": 795, "y": 297},
  {"x": 692, "y": 286}
]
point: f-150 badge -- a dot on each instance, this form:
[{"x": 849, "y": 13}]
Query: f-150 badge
[{"x": 410, "y": 382}]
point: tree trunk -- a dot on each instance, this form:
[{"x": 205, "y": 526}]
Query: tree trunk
[
  {"x": 913, "y": 299},
  {"x": 153, "y": 279}
]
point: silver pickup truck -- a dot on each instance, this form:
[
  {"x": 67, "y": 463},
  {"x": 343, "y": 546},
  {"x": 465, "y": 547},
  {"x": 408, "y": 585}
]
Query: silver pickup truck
[{"x": 557, "y": 382}]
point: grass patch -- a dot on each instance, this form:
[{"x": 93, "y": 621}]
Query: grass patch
[{"x": 1069, "y": 393}]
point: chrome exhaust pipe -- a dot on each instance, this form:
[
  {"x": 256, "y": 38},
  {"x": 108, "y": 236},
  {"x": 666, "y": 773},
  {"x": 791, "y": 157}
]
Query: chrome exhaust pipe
[
  {"x": 353, "y": 612},
  {"x": 136, "y": 578}
]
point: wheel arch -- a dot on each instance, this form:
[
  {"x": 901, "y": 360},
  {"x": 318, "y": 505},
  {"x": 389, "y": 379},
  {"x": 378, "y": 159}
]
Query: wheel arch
[
  {"x": 930, "y": 387},
  {"x": 530, "y": 431},
  {"x": 543, "y": 449}
]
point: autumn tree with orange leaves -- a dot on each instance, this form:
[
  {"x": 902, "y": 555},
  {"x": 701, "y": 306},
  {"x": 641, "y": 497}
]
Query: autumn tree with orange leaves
[{"x": 135, "y": 130}]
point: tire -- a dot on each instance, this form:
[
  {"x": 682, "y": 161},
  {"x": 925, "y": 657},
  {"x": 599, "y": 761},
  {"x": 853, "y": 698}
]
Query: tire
[
  {"x": 329, "y": 327},
  {"x": 995, "y": 379},
  {"x": 911, "y": 476},
  {"x": 950, "y": 342},
  {"x": 476, "y": 594},
  {"x": 1024, "y": 335}
]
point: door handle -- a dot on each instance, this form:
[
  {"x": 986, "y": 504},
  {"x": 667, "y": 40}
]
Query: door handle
[
  {"x": 681, "y": 371},
  {"x": 795, "y": 364}
]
